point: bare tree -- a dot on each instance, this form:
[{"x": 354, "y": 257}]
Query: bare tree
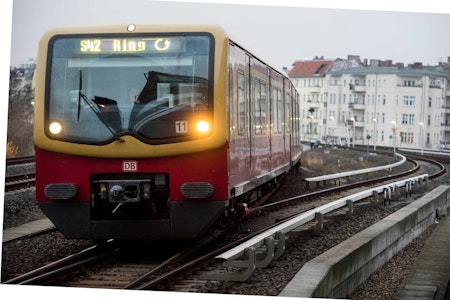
[{"x": 20, "y": 114}]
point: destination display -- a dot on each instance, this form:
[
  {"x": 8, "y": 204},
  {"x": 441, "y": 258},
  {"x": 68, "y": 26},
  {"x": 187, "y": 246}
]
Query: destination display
[{"x": 131, "y": 45}]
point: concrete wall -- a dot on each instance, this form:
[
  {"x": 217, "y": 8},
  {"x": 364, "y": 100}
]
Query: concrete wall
[{"x": 340, "y": 270}]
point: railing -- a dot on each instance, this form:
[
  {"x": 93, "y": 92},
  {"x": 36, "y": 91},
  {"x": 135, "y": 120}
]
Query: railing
[{"x": 273, "y": 240}]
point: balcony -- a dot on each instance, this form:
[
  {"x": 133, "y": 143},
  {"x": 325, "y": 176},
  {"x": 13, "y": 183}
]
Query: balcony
[
  {"x": 356, "y": 123},
  {"x": 356, "y": 106},
  {"x": 357, "y": 88},
  {"x": 360, "y": 124},
  {"x": 315, "y": 90}
]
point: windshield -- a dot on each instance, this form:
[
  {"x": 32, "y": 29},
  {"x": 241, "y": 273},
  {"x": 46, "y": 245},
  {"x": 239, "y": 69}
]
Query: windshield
[{"x": 150, "y": 87}]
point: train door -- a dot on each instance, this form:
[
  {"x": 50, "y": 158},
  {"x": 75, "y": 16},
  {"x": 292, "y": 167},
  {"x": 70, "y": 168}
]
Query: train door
[
  {"x": 295, "y": 126},
  {"x": 259, "y": 133},
  {"x": 287, "y": 117},
  {"x": 239, "y": 120},
  {"x": 248, "y": 111},
  {"x": 270, "y": 116},
  {"x": 277, "y": 155}
]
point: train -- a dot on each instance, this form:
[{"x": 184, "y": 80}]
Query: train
[{"x": 148, "y": 131}]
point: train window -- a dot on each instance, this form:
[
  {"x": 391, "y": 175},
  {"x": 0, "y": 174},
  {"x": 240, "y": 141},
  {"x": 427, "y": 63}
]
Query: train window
[
  {"x": 241, "y": 102},
  {"x": 260, "y": 107},
  {"x": 287, "y": 113},
  {"x": 278, "y": 109},
  {"x": 230, "y": 80},
  {"x": 103, "y": 87},
  {"x": 295, "y": 113}
]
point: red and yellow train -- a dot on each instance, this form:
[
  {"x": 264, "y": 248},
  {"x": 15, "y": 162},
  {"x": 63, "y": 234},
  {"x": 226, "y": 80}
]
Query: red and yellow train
[{"x": 147, "y": 131}]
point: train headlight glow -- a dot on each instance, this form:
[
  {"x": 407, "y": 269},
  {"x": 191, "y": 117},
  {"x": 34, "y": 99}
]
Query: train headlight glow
[
  {"x": 55, "y": 128},
  {"x": 202, "y": 126}
]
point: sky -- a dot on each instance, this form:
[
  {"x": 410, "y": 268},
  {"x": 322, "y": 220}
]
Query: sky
[
  {"x": 279, "y": 32},
  {"x": 279, "y": 35}
]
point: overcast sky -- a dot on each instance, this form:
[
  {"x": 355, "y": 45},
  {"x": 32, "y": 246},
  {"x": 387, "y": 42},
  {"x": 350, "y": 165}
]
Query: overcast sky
[{"x": 278, "y": 34}]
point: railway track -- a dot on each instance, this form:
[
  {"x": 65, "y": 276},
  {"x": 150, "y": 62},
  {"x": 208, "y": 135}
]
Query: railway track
[
  {"x": 19, "y": 160},
  {"x": 112, "y": 272},
  {"x": 19, "y": 181},
  {"x": 50, "y": 272},
  {"x": 108, "y": 265}
]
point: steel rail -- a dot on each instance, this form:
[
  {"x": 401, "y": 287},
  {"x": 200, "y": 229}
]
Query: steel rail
[{"x": 19, "y": 160}]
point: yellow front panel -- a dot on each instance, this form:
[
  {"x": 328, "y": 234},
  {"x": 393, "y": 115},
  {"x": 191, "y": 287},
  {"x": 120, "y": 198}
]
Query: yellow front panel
[{"x": 131, "y": 147}]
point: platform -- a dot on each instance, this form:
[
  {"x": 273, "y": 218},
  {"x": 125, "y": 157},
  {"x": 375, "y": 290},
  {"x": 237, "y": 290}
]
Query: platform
[{"x": 430, "y": 274}]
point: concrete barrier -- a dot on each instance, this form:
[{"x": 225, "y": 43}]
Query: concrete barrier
[{"x": 340, "y": 270}]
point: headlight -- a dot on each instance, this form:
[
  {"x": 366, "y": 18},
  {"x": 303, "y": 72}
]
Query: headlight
[
  {"x": 202, "y": 126},
  {"x": 55, "y": 128}
]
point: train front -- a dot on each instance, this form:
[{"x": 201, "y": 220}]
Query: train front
[{"x": 130, "y": 131}]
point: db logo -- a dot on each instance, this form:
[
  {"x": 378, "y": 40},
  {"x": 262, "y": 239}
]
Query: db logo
[{"x": 129, "y": 166}]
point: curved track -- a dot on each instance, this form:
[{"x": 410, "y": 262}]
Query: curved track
[{"x": 142, "y": 274}]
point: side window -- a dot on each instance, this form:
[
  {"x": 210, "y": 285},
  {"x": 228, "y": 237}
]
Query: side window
[
  {"x": 241, "y": 102},
  {"x": 277, "y": 111},
  {"x": 295, "y": 112},
  {"x": 260, "y": 103},
  {"x": 287, "y": 112},
  {"x": 263, "y": 105}
]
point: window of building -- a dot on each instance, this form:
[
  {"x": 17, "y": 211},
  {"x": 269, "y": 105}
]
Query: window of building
[
  {"x": 409, "y": 100},
  {"x": 408, "y": 119},
  {"x": 407, "y": 137},
  {"x": 404, "y": 119}
]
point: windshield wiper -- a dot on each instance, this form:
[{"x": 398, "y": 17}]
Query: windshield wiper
[
  {"x": 154, "y": 111},
  {"x": 94, "y": 107}
]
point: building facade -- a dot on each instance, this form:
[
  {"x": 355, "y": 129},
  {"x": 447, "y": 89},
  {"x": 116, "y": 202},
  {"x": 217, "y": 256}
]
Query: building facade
[{"x": 376, "y": 105}]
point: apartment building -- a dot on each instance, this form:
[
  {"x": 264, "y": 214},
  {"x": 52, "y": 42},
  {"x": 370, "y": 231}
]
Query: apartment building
[{"x": 376, "y": 104}]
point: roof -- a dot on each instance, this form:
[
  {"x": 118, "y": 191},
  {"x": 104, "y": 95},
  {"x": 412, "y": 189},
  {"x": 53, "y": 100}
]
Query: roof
[
  {"x": 310, "y": 68},
  {"x": 411, "y": 72}
]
